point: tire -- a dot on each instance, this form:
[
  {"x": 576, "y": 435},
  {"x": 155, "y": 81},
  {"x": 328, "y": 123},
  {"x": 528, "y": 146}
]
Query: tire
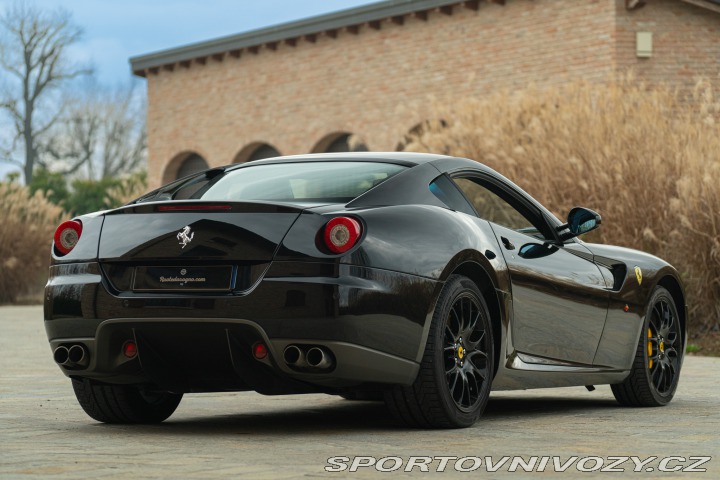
[
  {"x": 124, "y": 403},
  {"x": 453, "y": 385},
  {"x": 656, "y": 369}
]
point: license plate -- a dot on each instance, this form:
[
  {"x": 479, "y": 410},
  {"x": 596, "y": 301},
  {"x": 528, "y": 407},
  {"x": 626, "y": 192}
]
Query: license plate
[{"x": 213, "y": 278}]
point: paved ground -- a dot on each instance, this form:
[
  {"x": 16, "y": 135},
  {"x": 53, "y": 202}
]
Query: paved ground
[{"x": 44, "y": 433}]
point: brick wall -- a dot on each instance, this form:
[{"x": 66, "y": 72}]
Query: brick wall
[
  {"x": 686, "y": 42},
  {"x": 378, "y": 84}
]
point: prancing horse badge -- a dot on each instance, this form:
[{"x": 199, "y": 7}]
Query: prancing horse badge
[
  {"x": 186, "y": 235},
  {"x": 638, "y": 275}
]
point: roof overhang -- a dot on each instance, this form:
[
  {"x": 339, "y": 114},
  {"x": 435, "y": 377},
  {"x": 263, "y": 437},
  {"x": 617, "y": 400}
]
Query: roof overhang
[
  {"x": 310, "y": 28},
  {"x": 289, "y": 33},
  {"x": 713, "y": 5}
]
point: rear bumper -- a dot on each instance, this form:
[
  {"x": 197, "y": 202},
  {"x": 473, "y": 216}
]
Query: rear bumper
[
  {"x": 196, "y": 355},
  {"x": 373, "y": 322}
]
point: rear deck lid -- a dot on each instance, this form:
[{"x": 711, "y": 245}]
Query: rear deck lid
[
  {"x": 195, "y": 231},
  {"x": 191, "y": 246}
]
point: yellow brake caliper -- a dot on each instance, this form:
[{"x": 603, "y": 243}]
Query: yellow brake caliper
[{"x": 650, "y": 362}]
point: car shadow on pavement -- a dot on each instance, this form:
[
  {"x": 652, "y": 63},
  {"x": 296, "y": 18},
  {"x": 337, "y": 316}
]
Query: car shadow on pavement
[
  {"x": 502, "y": 408},
  {"x": 349, "y": 416}
]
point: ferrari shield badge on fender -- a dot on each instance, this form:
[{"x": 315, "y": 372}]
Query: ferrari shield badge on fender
[
  {"x": 638, "y": 275},
  {"x": 186, "y": 235}
]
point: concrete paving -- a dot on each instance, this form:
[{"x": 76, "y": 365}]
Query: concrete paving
[{"x": 44, "y": 433}]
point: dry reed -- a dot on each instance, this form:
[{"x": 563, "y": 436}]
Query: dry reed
[{"x": 28, "y": 223}]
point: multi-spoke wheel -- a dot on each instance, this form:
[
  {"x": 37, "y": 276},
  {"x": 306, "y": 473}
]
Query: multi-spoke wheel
[
  {"x": 465, "y": 352},
  {"x": 656, "y": 369},
  {"x": 453, "y": 385}
]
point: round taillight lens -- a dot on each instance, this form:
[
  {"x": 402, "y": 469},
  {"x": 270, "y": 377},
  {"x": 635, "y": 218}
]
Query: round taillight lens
[
  {"x": 341, "y": 234},
  {"x": 67, "y": 236}
]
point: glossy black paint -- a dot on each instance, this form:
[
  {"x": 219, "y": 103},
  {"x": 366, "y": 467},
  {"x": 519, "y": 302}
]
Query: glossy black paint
[
  {"x": 623, "y": 328},
  {"x": 243, "y": 232},
  {"x": 558, "y": 307},
  {"x": 560, "y": 302}
]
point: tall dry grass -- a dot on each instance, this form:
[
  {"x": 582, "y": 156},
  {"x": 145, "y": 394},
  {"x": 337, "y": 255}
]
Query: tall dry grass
[
  {"x": 647, "y": 159},
  {"x": 27, "y": 224}
]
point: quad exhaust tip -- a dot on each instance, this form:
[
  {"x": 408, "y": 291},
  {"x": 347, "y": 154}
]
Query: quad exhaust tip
[
  {"x": 294, "y": 356},
  {"x": 75, "y": 356},
  {"x": 317, "y": 358},
  {"x": 78, "y": 356},
  {"x": 308, "y": 358},
  {"x": 61, "y": 355}
]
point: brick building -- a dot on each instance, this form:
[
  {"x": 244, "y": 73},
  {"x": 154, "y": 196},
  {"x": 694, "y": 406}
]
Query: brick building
[{"x": 369, "y": 72}]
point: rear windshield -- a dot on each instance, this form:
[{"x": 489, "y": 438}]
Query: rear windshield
[{"x": 319, "y": 181}]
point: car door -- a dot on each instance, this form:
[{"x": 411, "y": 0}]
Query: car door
[{"x": 559, "y": 295}]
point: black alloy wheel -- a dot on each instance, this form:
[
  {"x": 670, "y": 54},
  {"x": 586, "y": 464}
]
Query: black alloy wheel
[
  {"x": 453, "y": 385},
  {"x": 465, "y": 352},
  {"x": 663, "y": 343},
  {"x": 656, "y": 369}
]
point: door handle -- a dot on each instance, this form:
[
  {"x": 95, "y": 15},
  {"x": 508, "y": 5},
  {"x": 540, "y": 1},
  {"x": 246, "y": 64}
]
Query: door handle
[{"x": 507, "y": 243}]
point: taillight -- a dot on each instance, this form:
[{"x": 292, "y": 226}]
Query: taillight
[
  {"x": 341, "y": 234},
  {"x": 67, "y": 236}
]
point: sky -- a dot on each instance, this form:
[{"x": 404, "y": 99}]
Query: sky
[{"x": 115, "y": 30}]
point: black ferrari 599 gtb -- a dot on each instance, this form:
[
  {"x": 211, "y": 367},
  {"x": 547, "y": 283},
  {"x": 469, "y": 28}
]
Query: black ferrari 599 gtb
[{"x": 422, "y": 279}]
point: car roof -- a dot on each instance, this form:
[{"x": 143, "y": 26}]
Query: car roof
[
  {"x": 406, "y": 158},
  {"x": 443, "y": 163},
  {"x": 428, "y": 162}
]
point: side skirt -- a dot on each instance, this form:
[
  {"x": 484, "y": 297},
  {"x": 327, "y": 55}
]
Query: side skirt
[{"x": 522, "y": 371}]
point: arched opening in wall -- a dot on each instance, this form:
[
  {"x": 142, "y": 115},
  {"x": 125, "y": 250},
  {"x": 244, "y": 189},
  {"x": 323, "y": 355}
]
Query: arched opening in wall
[
  {"x": 340, "y": 142},
  {"x": 256, "y": 151},
  {"x": 416, "y": 133},
  {"x": 184, "y": 164}
]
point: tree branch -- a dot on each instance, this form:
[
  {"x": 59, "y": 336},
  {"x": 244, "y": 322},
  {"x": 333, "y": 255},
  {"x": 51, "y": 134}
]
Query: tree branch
[
  {"x": 34, "y": 51},
  {"x": 12, "y": 160}
]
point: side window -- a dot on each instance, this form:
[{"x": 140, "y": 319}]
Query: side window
[
  {"x": 493, "y": 208},
  {"x": 189, "y": 190},
  {"x": 447, "y": 192}
]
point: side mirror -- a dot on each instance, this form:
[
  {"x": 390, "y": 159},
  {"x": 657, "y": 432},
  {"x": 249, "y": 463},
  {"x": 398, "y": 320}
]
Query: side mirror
[{"x": 580, "y": 221}]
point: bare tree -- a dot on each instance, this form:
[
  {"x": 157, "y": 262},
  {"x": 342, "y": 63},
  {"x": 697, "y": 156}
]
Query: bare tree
[
  {"x": 102, "y": 131},
  {"x": 34, "y": 51},
  {"x": 124, "y": 146}
]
